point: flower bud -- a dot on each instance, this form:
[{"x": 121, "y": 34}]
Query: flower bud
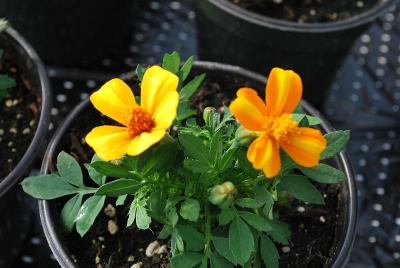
[
  {"x": 223, "y": 195},
  {"x": 207, "y": 114},
  {"x": 243, "y": 136}
]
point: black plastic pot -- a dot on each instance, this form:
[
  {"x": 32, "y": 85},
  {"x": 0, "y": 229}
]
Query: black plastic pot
[
  {"x": 13, "y": 211},
  {"x": 231, "y": 34},
  {"x": 49, "y": 211},
  {"x": 71, "y": 32}
]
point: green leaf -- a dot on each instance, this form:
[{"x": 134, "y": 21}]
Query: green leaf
[
  {"x": 227, "y": 159},
  {"x": 280, "y": 231},
  {"x": 190, "y": 209},
  {"x": 219, "y": 262},
  {"x": 172, "y": 216},
  {"x": 3, "y": 24},
  {"x": 184, "y": 111},
  {"x": 70, "y": 211},
  {"x": 161, "y": 158},
  {"x": 140, "y": 72},
  {"x": 185, "y": 69},
  {"x": 111, "y": 170},
  {"x": 195, "y": 240},
  {"x": 269, "y": 253},
  {"x": 131, "y": 214},
  {"x": 301, "y": 188},
  {"x": 142, "y": 219},
  {"x": 173, "y": 201},
  {"x": 190, "y": 88},
  {"x": 166, "y": 231},
  {"x": 88, "y": 213},
  {"x": 186, "y": 260},
  {"x": 312, "y": 120},
  {"x": 119, "y": 187},
  {"x": 194, "y": 147},
  {"x": 324, "y": 174},
  {"x": 226, "y": 216},
  {"x": 216, "y": 147},
  {"x": 221, "y": 244},
  {"x": 69, "y": 169},
  {"x": 196, "y": 166},
  {"x": 171, "y": 62},
  {"x": 97, "y": 177},
  {"x": 337, "y": 141},
  {"x": 247, "y": 203},
  {"x": 6, "y": 82},
  {"x": 262, "y": 195},
  {"x": 47, "y": 187},
  {"x": 121, "y": 200},
  {"x": 299, "y": 109},
  {"x": 241, "y": 241},
  {"x": 245, "y": 164},
  {"x": 256, "y": 221}
]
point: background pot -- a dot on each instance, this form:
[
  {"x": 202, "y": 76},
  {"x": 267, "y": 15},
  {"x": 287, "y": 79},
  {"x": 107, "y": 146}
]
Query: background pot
[
  {"x": 231, "y": 34},
  {"x": 345, "y": 234},
  {"x": 12, "y": 209},
  {"x": 71, "y": 32}
]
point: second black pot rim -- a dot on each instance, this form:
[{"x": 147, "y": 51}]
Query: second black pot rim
[
  {"x": 317, "y": 28},
  {"x": 44, "y": 118},
  {"x": 49, "y": 226}
]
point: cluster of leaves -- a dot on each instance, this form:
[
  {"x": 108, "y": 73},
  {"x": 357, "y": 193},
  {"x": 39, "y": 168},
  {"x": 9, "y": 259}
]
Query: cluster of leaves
[
  {"x": 6, "y": 82},
  {"x": 172, "y": 183}
]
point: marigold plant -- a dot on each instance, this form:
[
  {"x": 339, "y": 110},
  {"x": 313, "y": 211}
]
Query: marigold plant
[{"x": 214, "y": 186}]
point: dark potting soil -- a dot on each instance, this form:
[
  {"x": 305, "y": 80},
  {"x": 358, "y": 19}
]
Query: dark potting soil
[
  {"x": 110, "y": 244},
  {"x": 308, "y": 10},
  {"x": 19, "y": 115}
]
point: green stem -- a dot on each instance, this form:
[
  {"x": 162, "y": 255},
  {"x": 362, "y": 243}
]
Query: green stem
[{"x": 207, "y": 228}]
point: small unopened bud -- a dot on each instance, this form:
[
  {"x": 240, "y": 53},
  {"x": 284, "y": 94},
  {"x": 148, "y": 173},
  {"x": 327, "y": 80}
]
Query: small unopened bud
[
  {"x": 207, "y": 114},
  {"x": 243, "y": 136},
  {"x": 223, "y": 195}
]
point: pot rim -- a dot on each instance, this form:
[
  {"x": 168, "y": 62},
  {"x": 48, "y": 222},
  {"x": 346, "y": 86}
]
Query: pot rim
[
  {"x": 317, "y": 27},
  {"x": 61, "y": 252},
  {"x": 43, "y": 124}
]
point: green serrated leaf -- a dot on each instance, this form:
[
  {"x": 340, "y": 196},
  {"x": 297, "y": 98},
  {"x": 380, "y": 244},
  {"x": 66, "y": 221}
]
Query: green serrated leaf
[
  {"x": 194, "y": 147},
  {"x": 190, "y": 88},
  {"x": 221, "y": 244},
  {"x": 186, "y": 260},
  {"x": 142, "y": 219},
  {"x": 70, "y": 211},
  {"x": 216, "y": 147},
  {"x": 88, "y": 213},
  {"x": 194, "y": 240},
  {"x": 324, "y": 174},
  {"x": 247, "y": 202},
  {"x": 257, "y": 222},
  {"x": 240, "y": 235},
  {"x": 190, "y": 209},
  {"x": 262, "y": 195},
  {"x": 269, "y": 253},
  {"x": 186, "y": 68},
  {"x": 121, "y": 200},
  {"x": 119, "y": 187},
  {"x": 47, "y": 187},
  {"x": 97, "y": 177},
  {"x": 280, "y": 231},
  {"x": 131, "y": 214},
  {"x": 301, "y": 188},
  {"x": 111, "y": 170},
  {"x": 69, "y": 169},
  {"x": 171, "y": 62},
  {"x": 337, "y": 141},
  {"x": 312, "y": 120},
  {"x": 226, "y": 216},
  {"x": 227, "y": 159},
  {"x": 196, "y": 166}
]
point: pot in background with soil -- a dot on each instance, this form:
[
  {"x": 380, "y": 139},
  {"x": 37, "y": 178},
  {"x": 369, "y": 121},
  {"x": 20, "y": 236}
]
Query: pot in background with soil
[
  {"x": 24, "y": 122},
  {"x": 329, "y": 230},
  {"x": 71, "y": 32},
  {"x": 236, "y": 34}
]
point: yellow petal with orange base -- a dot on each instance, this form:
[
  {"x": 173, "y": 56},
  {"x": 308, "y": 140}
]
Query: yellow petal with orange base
[
  {"x": 109, "y": 142},
  {"x": 249, "y": 109},
  {"x": 263, "y": 153},
  {"x": 156, "y": 84},
  {"x": 283, "y": 91},
  {"x": 305, "y": 147},
  {"x": 144, "y": 141},
  {"x": 114, "y": 99}
]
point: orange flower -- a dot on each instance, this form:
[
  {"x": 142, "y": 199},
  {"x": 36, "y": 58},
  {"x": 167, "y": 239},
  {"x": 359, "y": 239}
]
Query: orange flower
[
  {"x": 271, "y": 121},
  {"x": 142, "y": 126}
]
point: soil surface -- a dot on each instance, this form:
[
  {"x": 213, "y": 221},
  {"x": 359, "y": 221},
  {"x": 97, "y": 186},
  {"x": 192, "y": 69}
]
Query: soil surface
[
  {"x": 109, "y": 244},
  {"x": 308, "y": 10},
  {"x": 19, "y": 115}
]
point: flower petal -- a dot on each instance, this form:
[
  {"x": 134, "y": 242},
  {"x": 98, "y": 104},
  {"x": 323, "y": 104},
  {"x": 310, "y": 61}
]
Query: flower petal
[
  {"x": 249, "y": 109},
  {"x": 143, "y": 141},
  {"x": 263, "y": 153},
  {"x": 283, "y": 91},
  {"x": 109, "y": 142},
  {"x": 114, "y": 99},
  {"x": 157, "y": 82},
  {"x": 305, "y": 147},
  {"x": 165, "y": 113}
]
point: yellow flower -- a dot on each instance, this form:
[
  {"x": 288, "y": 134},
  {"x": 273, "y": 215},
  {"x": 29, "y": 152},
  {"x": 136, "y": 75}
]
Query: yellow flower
[
  {"x": 271, "y": 121},
  {"x": 142, "y": 126}
]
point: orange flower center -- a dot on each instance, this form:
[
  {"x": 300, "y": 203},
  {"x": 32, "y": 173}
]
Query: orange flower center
[
  {"x": 280, "y": 127},
  {"x": 139, "y": 122}
]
